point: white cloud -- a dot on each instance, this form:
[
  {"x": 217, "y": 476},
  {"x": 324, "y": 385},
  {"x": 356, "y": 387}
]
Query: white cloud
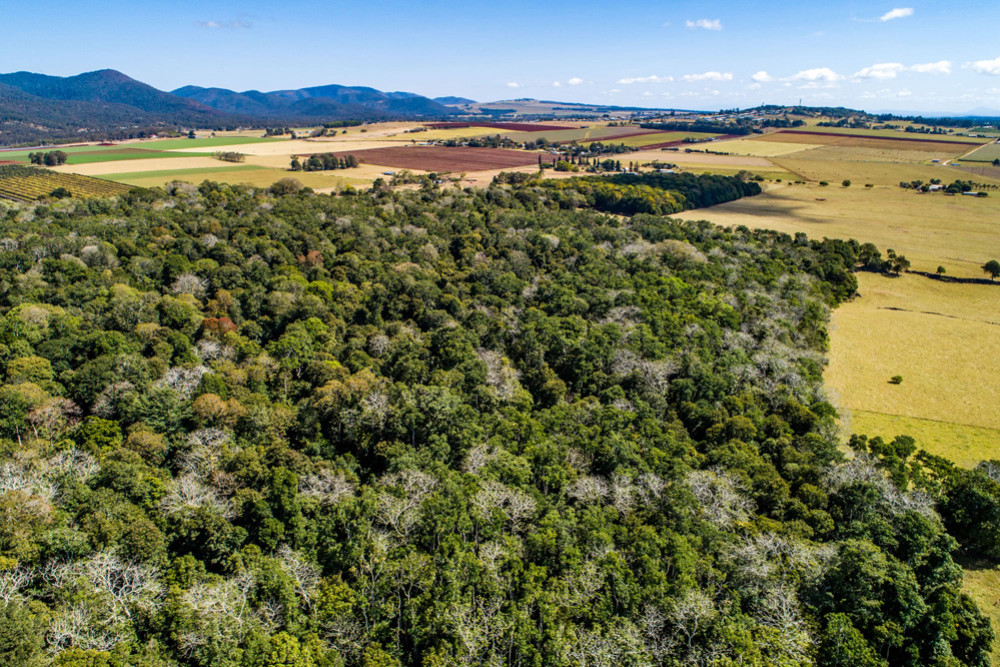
[
  {"x": 557, "y": 84},
  {"x": 575, "y": 81},
  {"x": 709, "y": 76},
  {"x": 216, "y": 25},
  {"x": 762, "y": 77},
  {"x": 646, "y": 79},
  {"x": 513, "y": 84},
  {"x": 940, "y": 67},
  {"x": 705, "y": 24},
  {"x": 898, "y": 13},
  {"x": 880, "y": 71},
  {"x": 991, "y": 67},
  {"x": 817, "y": 74}
]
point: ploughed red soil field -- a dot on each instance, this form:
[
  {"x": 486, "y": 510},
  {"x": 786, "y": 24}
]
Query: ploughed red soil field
[
  {"x": 442, "y": 158},
  {"x": 513, "y": 127}
]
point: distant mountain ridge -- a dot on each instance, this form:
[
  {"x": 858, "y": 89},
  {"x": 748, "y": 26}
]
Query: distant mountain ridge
[
  {"x": 330, "y": 100},
  {"x": 107, "y": 104}
]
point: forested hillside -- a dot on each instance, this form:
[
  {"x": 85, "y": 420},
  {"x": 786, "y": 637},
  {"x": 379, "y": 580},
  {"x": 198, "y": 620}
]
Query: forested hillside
[{"x": 491, "y": 427}]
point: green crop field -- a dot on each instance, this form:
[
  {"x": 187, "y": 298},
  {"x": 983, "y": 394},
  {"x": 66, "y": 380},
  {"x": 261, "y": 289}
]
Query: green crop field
[
  {"x": 22, "y": 155},
  {"x": 126, "y": 154},
  {"x": 207, "y": 142},
  {"x": 987, "y": 153}
]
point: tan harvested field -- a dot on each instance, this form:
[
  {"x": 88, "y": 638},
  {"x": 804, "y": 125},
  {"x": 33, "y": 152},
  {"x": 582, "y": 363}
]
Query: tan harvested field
[
  {"x": 758, "y": 148},
  {"x": 298, "y": 146},
  {"x": 443, "y": 159},
  {"x": 877, "y": 173},
  {"x": 145, "y": 164},
  {"x": 442, "y": 134}
]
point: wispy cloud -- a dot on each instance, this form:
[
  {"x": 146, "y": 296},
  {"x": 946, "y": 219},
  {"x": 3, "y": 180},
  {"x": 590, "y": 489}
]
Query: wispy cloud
[
  {"x": 898, "y": 13},
  {"x": 575, "y": 81},
  {"x": 646, "y": 79},
  {"x": 513, "y": 84},
  {"x": 940, "y": 67},
  {"x": 709, "y": 76},
  {"x": 991, "y": 67},
  {"x": 704, "y": 24},
  {"x": 223, "y": 25}
]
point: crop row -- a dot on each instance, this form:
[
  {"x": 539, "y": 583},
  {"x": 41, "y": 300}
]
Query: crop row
[{"x": 41, "y": 184}]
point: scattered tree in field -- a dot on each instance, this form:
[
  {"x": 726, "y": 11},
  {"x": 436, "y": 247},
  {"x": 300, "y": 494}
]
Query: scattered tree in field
[
  {"x": 941, "y": 270},
  {"x": 846, "y": 183},
  {"x": 229, "y": 156},
  {"x": 992, "y": 267},
  {"x": 896, "y": 379}
]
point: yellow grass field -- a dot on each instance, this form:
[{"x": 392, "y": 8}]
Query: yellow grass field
[
  {"x": 859, "y": 154},
  {"x": 695, "y": 158},
  {"x": 146, "y": 165},
  {"x": 942, "y": 338},
  {"x": 895, "y": 134},
  {"x": 982, "y": 582},
  {"x": 879, "y": 173},
  {"x": 249, "y": 175},
  {"x": 755, "y": 148}
]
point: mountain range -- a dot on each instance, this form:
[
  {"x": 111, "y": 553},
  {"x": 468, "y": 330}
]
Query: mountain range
[{"x": 106, "y": 104}]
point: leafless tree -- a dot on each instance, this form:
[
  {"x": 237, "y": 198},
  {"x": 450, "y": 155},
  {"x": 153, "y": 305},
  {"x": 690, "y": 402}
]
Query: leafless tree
[
  {"x": 398, "y": 504},
  {"x": 330, "y": 487},
  {"x": 189, "y": 492},
  {"x": 478, "y": 457},
  {"x": 13, "y": 581},
  {"x": 719, "y": 497},
  {"x": 588, "y": 489},
  {"x": 304, "y": 575}
]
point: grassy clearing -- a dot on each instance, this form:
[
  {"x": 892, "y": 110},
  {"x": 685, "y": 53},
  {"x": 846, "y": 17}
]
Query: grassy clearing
[
  {"x": 965, "y": 445},
  {"x": 760, "y": 148},
  {"x": 22, "y": 155},
  {"x": 982, "y": 582},
  {"x": 943, "y": 339}
]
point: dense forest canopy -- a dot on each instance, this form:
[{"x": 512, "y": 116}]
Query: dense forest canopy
[{"x": 443, "y": 427}]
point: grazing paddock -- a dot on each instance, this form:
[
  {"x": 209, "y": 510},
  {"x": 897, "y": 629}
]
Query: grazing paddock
[
  {"x": 257, "y": 176},
  {"x": 683, "y": 159},
  {"x": 153, "y": 163},
  {"x": 444, "y": 159},
  {"x": 878, "y": 173},
  {"x": 207, "y": 142},
  {"x": 987, "y": 153}
]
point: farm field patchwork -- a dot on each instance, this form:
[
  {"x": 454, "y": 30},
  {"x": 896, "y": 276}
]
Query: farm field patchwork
[
  {"x": 257, "y": 176},
  {"x": 171, "y": 162}
]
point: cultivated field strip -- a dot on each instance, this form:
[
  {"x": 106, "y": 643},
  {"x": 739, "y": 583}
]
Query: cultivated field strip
[{"x": 25, "y": 187}]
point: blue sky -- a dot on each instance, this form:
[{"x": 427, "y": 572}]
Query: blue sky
[{"x": 901, "y": 55}]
